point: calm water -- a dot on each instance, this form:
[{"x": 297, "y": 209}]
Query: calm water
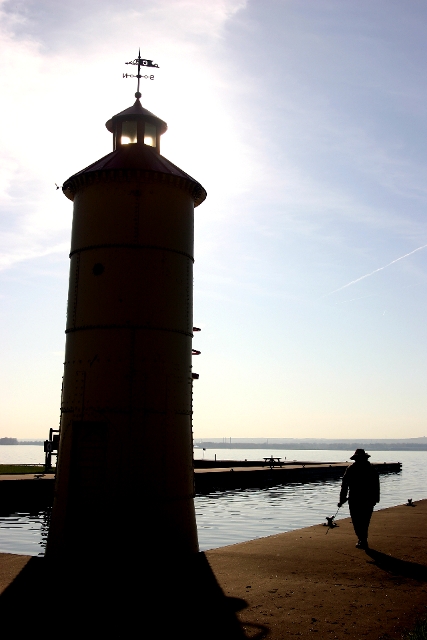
[
  {"x": 21, "y": 454},
  {"x": 230, "y": 517}
]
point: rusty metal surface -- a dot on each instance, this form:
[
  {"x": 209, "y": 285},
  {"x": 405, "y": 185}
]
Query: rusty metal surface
[{"x": 127, "y": 372}]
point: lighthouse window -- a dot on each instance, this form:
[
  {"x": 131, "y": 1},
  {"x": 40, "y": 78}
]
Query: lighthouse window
[
  {"x": 129, "y": 132},
  {"x": 98, "y": 269},
  {"x": 150, "y": 134}
]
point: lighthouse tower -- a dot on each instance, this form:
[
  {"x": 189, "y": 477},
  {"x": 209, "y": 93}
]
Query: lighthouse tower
[{"x": 125, "y": 461}]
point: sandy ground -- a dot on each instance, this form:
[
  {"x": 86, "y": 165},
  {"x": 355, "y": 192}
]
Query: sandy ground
[{"x": 315, "y": 581}]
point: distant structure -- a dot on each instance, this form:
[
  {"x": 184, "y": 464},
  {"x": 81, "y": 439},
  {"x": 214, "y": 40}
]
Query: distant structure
[{"x": 125, "y": 461}]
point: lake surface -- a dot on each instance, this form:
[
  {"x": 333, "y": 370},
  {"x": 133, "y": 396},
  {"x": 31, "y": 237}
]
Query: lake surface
[
  {"x": 21, "y": 454},
  {"x": 229, "y": 517}
]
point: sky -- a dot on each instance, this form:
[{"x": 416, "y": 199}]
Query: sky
[{"x": 305, "y": 121}]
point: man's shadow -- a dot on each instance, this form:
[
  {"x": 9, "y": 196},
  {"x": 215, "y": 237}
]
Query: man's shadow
[
  {"x": 398, "y": 567},
  {"x": 155, "y": 597}
]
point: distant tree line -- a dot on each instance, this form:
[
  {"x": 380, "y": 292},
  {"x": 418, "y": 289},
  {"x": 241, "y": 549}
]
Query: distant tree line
[
  {"x": 371, "y": 446},
  {"x": 16, "y": 441}
]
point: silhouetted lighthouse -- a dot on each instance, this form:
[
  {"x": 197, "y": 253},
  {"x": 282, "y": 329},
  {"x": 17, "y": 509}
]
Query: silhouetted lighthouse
[{"x": 125, "y": 467}]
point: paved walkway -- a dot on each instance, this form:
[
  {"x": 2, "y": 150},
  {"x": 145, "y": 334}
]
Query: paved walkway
[
  {"x": 314, "y": 580},
  {"x": 27, "y": 476},
  {"x": 303, "y": 584}
]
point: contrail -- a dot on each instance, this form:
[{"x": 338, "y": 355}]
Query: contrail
[{"x": 376, "y": 271}]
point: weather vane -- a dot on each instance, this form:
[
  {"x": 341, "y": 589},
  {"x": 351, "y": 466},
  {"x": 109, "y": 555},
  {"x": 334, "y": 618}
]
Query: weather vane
[{"x": 141, "y": 62}]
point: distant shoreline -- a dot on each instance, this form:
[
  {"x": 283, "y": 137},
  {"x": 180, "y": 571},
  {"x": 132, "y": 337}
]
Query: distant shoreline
[
  {"x": 14, "y": 441},
  {"x": 319, "y": 446},
  {"x": 411, "y": 444}
]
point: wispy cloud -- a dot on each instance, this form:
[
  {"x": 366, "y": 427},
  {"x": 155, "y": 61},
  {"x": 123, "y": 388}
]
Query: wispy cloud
[{"x": 367, "y": 275}]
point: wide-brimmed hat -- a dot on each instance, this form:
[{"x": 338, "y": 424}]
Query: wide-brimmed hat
[{"x": 360, "y": 453}]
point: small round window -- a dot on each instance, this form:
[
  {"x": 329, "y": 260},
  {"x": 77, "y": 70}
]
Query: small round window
[{"x": 98, "y": 269}]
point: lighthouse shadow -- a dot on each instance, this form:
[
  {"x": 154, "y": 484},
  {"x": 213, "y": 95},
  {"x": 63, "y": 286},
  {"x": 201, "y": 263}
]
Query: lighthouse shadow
[{"x": 158, "y": 597}]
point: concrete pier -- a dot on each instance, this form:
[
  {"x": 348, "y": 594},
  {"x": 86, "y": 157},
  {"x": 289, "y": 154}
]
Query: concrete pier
[
  {"x": 228, "y": 475},
  {"x": 291, "y": 585},
  {"x": 21, "y": 491}
]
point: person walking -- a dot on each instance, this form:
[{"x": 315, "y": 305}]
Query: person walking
[{"x": 362, "y": 485}]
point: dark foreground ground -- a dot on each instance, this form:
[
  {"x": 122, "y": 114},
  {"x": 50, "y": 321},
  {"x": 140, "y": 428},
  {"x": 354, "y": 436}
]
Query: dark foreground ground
[{"x": 307, "y": 583}]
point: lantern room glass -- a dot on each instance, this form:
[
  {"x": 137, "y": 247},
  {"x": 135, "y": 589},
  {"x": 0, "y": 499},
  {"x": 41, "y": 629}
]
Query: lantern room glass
[
  {"x": 129, "y": 132},
  {"x": 150, "y": 135}
]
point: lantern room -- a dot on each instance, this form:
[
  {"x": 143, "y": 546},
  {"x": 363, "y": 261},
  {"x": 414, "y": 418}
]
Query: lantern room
[{"x": 136, "y": 125}]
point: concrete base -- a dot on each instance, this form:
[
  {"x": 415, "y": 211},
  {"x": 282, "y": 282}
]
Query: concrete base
[{"x": 294, "y": 584}]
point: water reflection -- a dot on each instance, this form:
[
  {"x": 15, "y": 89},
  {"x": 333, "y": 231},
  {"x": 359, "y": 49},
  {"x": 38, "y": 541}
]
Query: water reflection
[
  {"x": 24, "y": 533},
  {"x": 230, "y": 517}
]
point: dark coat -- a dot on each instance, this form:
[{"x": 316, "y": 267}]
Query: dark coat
[{"x": 362, "y": 484}]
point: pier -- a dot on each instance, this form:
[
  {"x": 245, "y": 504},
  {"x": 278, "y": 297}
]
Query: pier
[
  {"x": 27, "y": 491},
  {"x": 227, "y": 475}
]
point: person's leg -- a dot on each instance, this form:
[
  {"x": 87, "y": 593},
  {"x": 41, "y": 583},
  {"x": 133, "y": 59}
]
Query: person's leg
[
  {"x": 365, "y": 520},
  {"x": 361, "y": 516}
]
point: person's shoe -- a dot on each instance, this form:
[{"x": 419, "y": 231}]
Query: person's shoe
[{"x": 362, "y": 545}]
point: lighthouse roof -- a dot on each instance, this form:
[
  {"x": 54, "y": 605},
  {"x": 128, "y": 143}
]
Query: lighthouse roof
[
  {"x": 137, "y": 110},
  {"x": 141, "y": 161}
]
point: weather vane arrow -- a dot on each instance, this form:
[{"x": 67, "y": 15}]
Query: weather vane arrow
[{"x": 140, "y": 62}]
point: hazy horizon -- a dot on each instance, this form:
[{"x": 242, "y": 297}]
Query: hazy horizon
[{"x": 265, "y": 440}]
